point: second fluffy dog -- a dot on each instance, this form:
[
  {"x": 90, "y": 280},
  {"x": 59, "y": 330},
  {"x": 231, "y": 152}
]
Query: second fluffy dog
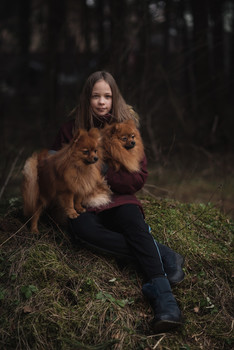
[{"x": 123, "y": 146}]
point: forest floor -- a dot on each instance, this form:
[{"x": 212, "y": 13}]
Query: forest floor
[
  {"x": 54, "y": 295},
  {"x": 57, "y": 295}
]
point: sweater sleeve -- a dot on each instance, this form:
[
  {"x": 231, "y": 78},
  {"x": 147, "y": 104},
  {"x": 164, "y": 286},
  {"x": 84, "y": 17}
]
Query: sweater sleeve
[
  {"x": 64, "y": 135},
  {"x": 125, "y": 182}
]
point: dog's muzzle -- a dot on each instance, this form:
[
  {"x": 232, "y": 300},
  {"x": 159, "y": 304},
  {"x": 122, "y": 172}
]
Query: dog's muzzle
[
  {"x": 131, "y": 145},
  {"x": 91, "y": 161}
]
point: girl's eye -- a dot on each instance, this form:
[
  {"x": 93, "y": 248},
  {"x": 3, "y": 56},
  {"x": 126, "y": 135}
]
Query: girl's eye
[
  {"x": 95, "y": 96},
  {"x": 108, "y": 96}
]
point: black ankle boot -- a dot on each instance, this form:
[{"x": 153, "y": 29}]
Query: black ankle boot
[
  {"x": 172, "y": 263},
  {"x": 167, "y": 315}
]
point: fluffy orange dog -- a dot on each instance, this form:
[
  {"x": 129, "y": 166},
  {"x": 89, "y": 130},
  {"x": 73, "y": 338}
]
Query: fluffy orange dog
[
  {"x": 123, "y": 146},
  {"x": 71, "y": 177}
]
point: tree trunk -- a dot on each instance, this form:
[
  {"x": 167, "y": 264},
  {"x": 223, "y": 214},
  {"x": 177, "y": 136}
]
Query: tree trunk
[
  {"x": 118, "y": 46},
  {"x": 56, "y": 20},
  {"x": 24, "y": 41},
  {"x": 200, "y": 48}
]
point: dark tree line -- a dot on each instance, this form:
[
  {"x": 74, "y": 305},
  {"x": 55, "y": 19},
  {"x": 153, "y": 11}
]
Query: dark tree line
[{"x": 173, "y": 61}]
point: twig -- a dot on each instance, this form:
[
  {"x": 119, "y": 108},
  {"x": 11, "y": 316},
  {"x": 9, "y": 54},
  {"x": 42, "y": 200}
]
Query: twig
[
  {"x": 58, "y": 227},
  {"x": 159, "y": 341},
  {"x": 15, "y": 232},
  {"x": 10, "y": 172},
  {"x": 202, "y": 212},
  {"x": 198, "y": 217},
  {"x": 149, "y": 193},
  {"x": 158, "y": 188},
  {"x": 19, "y": 229}
]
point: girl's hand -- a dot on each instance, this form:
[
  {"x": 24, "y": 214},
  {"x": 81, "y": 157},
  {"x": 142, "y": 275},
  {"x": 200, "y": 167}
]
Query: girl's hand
[{"x": 125, "y": 182}]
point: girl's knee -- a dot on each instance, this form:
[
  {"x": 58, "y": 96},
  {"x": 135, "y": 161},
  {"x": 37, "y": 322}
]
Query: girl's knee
[{"x": 82, "y": 222}]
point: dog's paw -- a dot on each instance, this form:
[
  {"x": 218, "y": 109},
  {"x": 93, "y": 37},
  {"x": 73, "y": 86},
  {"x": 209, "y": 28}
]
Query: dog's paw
[
  {"x": 34, "y": 230},
  {"x": 72, "y": 214},
  {"x": 80, "y": 209}
]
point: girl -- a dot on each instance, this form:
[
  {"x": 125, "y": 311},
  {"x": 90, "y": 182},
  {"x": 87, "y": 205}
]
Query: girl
[{"x": 120, "y": 228}]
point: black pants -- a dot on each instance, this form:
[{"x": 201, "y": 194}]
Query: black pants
[{"x": 123, "y": 231}]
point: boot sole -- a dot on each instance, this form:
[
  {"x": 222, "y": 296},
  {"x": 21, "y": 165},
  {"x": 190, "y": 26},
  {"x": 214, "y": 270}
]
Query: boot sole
[
  {"x": 165, "y": 326},
  {"x": 176, "y": 283}
]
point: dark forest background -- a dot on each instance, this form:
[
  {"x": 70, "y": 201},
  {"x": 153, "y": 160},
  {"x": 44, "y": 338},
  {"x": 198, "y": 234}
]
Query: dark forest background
[{"x": 173, "y": 61}]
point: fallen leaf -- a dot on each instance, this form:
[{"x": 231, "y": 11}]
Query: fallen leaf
[
  {"x": 112, "y": 280},
  {"x": 196, "y": 309},
  {"x": 27, "y": 309}
]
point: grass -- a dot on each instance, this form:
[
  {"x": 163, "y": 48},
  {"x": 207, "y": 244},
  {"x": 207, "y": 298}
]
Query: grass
[
  {"x": 197, "y": 180},
  {"x": 54, "y": 295}
]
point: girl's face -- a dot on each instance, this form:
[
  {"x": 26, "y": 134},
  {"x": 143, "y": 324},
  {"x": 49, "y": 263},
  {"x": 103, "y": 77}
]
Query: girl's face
[{"x": 101, "y": 98}]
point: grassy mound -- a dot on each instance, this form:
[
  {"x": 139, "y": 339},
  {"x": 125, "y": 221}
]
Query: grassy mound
[{"x": 54, "y": 295}]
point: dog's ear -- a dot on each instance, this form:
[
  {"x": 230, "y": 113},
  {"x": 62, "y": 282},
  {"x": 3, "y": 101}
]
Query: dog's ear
[
  {"x": 109, "y": 130},
  {"x": 77, "y": 135},
  {"x": 117, "y": 127},
  {"x": 131, "y": 123},
  {"x": 95, "y": 133}
]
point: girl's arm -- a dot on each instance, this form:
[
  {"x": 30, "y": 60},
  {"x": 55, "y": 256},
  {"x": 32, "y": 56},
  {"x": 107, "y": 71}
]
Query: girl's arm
[
  {"x": 127, "y": 183},
  {"x": 64, "y": 135}
]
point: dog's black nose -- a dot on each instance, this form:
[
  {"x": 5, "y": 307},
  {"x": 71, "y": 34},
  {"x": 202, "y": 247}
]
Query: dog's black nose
[
  {"x": 95, "y": 159},
  {"x": 133, "y": 143}
]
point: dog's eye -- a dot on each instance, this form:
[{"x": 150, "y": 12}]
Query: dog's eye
[
  {"x": 124, "y": 138},
  {"x": 133, "y": 136},
  {"x": 85, "y": 151},
  {"x": 95, "y": 151}
]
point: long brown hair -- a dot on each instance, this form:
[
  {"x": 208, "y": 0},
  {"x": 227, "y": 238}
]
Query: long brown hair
[{"x": 120, "y": 111}]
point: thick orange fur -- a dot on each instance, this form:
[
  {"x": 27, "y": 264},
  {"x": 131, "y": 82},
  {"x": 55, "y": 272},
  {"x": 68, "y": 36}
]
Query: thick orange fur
[
  {"x": 123, "y": 146},
  {"x": 71, "y": 177}
]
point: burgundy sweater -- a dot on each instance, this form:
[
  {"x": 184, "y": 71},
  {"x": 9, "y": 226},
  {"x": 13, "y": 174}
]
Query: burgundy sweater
[{"x": 123, "y": 184}]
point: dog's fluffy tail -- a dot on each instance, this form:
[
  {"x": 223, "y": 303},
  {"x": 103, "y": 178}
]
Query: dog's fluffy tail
[
  {"x": 101, "y": 196},
  {"x": 30, "y": 187}
]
